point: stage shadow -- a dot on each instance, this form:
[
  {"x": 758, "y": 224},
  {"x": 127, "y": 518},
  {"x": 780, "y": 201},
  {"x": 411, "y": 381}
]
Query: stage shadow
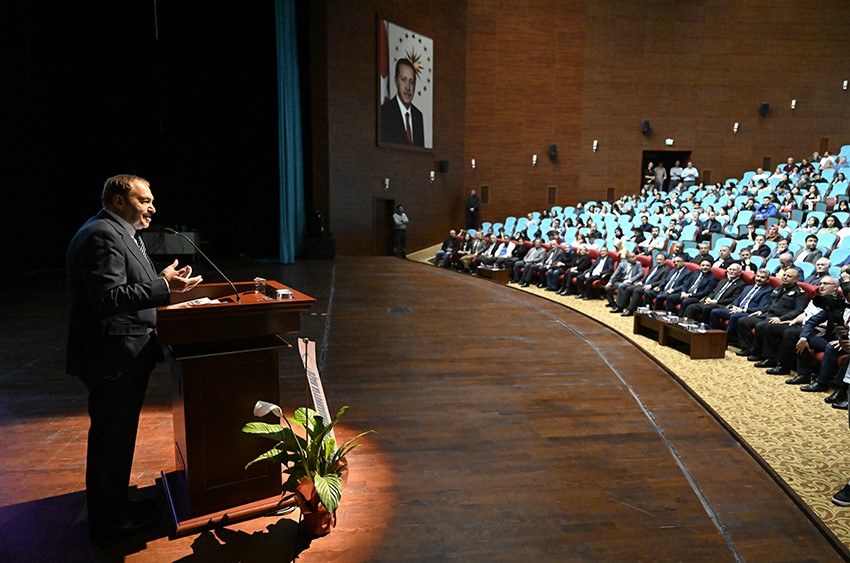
[
  {"x": 278, "y": 542},
  {"x": 56, "y": 529}
]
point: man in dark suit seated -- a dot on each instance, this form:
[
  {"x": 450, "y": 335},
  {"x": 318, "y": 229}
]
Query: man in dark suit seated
[
  {"x": 699, "y": 285},
  {"x": 723, "y": 295},
  {"x": 675, "y": 281},
  {"x": 401, "y": 121},
  {"x": 786, "y": 302},
  {"x": 112, "y": 345},
  {"x": 601, "y": 269},
  {"x": 630, "y": 296},
  {"x": 751, "y": 301}
]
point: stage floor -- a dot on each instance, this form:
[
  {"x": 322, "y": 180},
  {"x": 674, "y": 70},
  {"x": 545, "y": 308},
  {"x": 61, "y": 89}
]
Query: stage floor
[{"x": 508, "y": 428}]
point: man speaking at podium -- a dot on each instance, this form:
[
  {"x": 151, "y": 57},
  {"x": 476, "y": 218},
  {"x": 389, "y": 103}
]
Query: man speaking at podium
[{"x": 112, "y": 345}]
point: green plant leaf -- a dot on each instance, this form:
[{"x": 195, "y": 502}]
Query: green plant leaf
[
  {"x": 329, "y": 489},
  {"x": 270, "y": 431},
  {"x": 281, "y": 455}
]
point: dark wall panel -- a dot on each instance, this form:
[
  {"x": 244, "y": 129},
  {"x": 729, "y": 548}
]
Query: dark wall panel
[
  {"x": 352, "y": 167},
  {"x": 544, "y": 71}
]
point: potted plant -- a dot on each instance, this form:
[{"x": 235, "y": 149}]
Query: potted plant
[{"x": 314, "y": 463}]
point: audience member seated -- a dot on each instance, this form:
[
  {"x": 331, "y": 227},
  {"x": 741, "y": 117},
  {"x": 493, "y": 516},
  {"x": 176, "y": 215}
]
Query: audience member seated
[
  {"x": 450, "y": 244},
  {"x": 464, "y": 249},
  {"x": 752, "y": 300},
  {"x": 764, "y": 211},
  {"x": 630, "y": 296},
  {"x": 725, "y": 259},
  {"x": 555, "y": 255},
  {"x": 704, "y": 254},
  {"x": 629, "y": 271},
  {"x": 601, "y": 269},
  {"x": 522, "y": 269},
  {"x": 786, "y": 302},
  {"x": 725, "y": 292},
  {"x": 700, "y": 283},
  {"x": 830, "y": 225},
  {"x": 821, "y": 334},
  {"x": 786, "y": 262},
  {"x": 809, "y": 253},
  {"x": 746, "y": 263},
  {"x": 779, "y": 341},
  {"x": 500, "y": 250},
  {"x": 556, "y": 270},
  {"x": 580, "y": 264},
  {"x": 479, "y": 245},
  {"x": 677, "y": 279},
  {"x": 821, "y": 271},
  {"x": 759, "y": 248},
  {"x": 781, "y": 248},
  {"x": 709, "y": 227},
  {"x": 653, "y": 242},
  {"x": 518, "y": 253}
]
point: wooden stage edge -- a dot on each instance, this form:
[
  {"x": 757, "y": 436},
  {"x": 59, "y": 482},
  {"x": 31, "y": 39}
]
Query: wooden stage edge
[
  {"x": 174, "y": 486},
  {"x": 783, "y": 485}
]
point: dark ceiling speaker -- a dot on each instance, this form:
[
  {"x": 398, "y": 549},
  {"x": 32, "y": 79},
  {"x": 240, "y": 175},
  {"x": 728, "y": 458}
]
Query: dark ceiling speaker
[
  {"x": 444, "y": 166},
  {"x": 553, "y": 152},
  {"x": 763, "y": 109},
  {"x": 644, "y": 127}
]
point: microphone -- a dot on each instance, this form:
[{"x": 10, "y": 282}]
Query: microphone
[{"x": 171, "y": 231}]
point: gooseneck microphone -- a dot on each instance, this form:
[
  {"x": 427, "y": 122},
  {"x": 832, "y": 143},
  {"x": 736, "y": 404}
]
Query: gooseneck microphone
[{"x": 171, "y": 231}]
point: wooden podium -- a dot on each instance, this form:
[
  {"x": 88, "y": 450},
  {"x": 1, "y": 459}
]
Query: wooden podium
[{"x": 225, "y": 359}]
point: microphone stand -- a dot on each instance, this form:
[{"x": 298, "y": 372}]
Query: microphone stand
[{"x": 171, "y": 231}]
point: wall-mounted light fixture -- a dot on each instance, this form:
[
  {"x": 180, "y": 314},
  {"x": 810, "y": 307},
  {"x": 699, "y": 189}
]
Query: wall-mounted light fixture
[
  {"x": 669, "y": 141},
  {"x": 432, "y": 176},
  {"x": 595, "y": 145},
  {"x": 794, "y": 104},
  {"x": 534, "y": 160},
  {"x": 844, "y": 86},
  {"x": 386, "y": 184},
  {"x": 735, "y": 128},
  {"x": 473, "y": 164}
]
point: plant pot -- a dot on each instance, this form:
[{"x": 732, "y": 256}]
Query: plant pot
[{"x": 316, "y": 520}]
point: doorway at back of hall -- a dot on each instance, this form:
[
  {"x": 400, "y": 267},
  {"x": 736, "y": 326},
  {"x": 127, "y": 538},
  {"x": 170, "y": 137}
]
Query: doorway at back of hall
[{"x": 667, "y": 158}]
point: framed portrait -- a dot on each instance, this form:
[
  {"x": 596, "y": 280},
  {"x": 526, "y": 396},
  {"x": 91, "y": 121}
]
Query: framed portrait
[{"x": 405, "y": 88}]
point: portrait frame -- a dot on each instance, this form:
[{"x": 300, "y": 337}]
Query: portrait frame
[{"x": 395, "y": 110}]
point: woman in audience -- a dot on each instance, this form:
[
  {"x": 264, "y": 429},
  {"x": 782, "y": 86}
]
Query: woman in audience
[
  {"x": 581, "y": 264},
  {"x": 773, "y": 234},
  {"x": 618, "y": 239},
  {"x": 844, "y": 206},
  {"x": 811, "y": 226},
  {"x": 787, "y": 205},
  {"x": 830, "y": 225},
  {"x": 778, "y": 174},
  {"x": 784, "y": 229},
  {"x": 578, "y": 241},
  {"x": 811, "y": 197}
]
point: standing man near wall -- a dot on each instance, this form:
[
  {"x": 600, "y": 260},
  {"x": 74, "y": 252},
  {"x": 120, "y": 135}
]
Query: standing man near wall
[
  {"x": 400, "y": 221},
  {"x": 473, "y": 208},
  {"x": 112, "y": 345}
]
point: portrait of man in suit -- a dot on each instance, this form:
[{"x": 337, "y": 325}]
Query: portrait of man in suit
[
  {"x": 405, "y": 87},
  {"x": 401, "y": 121}
]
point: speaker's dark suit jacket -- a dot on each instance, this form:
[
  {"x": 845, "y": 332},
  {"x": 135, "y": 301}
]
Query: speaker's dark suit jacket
[
  {"x": 392, "y": 124},
  {"x": 111, "y": 346},
  {"x": 114, "y": 291}
]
